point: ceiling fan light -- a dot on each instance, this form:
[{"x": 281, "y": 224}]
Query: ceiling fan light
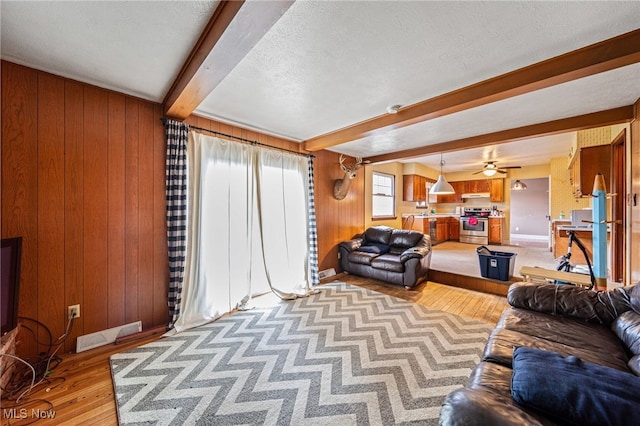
[
  {"x": 489, "y": 172},
  {"x": 518, "y": 186},
  {"x": 442, "y": 187}
]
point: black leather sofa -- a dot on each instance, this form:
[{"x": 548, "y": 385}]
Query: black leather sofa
[
  {"x": 587, "y": 346},
  {"x": 396, "y": 256}
]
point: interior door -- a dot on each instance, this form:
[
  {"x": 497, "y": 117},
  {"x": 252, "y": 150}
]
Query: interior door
[
  {"x": 634, "y": 209},
  {"x": 618, "y": 207}
]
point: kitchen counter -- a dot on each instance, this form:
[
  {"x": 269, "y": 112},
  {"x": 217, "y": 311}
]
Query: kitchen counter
[
  {"x": 429, "y": 215},
  {"x": 586, "y": 228}
]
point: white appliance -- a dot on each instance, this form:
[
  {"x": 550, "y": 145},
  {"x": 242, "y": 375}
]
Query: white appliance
[
  {"x": 578, "y": 218},
  {"x": 474, "y": 225}
]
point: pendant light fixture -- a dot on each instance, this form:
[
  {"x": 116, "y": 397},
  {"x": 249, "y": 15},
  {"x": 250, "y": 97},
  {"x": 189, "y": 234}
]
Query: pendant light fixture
[
  {"x": 518, "y": 186},
  {"x": 442, "y": 186}
]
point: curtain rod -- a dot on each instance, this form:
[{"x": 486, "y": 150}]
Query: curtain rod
[{"x": 252, "y": 142}]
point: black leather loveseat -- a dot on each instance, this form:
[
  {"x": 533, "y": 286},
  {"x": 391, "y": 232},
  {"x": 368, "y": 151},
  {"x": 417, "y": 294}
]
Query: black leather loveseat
[
  {"x": 560, "y": 355},
  {"x": 396, "y": 256}
]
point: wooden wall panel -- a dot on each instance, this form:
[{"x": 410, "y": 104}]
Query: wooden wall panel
[
  {"x": 73, "y": 206},
  {"x": 116, "y": 215},
  {"x": 83, "y": 183},
  {"x": 20, "y": 177},
  {"x": 338, "y": 220},
  {"x": 95, "y": 207},
  {"x": 160, "y": 262},
  {"x": 145, "y": 213},
  {"x": 132, "y": 206},
  {"x": 51, "y": 203}
]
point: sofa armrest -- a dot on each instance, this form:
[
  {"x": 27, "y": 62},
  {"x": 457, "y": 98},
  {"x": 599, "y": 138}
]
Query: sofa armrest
[
  {"x": 351, "y": 245},
  {"x": 601, "y": 307},
  {"x": 418, "y": 251},
  {"x": 479, "y": 407}
]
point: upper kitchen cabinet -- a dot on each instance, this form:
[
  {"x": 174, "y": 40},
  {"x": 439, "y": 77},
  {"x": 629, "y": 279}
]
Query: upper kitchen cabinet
[
  {"x": 477, "y": 186},
  {"x": 414, "y": 187},
  {"x": 496, "y": 192},
  {"x": 584, "y": 166},
  {"x": 459, "y": 187}
]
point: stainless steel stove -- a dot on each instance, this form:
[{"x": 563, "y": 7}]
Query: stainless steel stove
[{"x": 474, "y": 225}]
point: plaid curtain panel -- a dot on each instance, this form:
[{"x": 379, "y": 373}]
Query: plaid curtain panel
[
  {"x": 176, "y": 184},
  {"x": 313, "y": 229}
]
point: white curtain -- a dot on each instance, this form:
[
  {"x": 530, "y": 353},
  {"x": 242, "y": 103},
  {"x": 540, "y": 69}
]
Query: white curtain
[{"x": 247, "y": 227}]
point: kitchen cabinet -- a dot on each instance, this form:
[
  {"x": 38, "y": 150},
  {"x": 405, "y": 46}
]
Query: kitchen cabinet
[
  {"x": 477, "y": 185},
  {"x": 496, "y": 190},
  {"x": 454, "y": 229},
  {"x": 554, "y": 232},
  {"x": 561, "y": 245},
  {"x": 414, "y": 187},
  {"x": 459, "y": 187},
  {"x": 442, "y": 229},
  {"x": 416, "y": 223},
  {"x": 585, "y": 164},
  {"x": 495, "y": 230}
]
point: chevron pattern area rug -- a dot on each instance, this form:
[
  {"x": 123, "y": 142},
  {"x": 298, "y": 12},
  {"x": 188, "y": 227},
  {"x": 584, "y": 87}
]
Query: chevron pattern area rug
[{"x": 345, "y": 356}]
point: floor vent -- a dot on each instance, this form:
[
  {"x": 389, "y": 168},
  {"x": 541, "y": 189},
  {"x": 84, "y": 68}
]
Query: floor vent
[
  {"x": 327, "y": 273},
  {"x": 104, "y": 337}
]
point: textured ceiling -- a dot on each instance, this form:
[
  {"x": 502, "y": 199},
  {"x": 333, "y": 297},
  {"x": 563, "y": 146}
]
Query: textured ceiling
[
  {"x": 329, "y": 64},
  {"x": 134, "y": 47}
]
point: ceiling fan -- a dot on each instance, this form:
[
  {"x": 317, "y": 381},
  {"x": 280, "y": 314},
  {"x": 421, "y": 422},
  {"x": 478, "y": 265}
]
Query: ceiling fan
[{"x": 490, "y": 168}]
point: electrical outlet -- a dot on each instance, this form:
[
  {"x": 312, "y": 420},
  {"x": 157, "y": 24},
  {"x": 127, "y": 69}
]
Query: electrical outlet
[{"x": 74, "y": 311}]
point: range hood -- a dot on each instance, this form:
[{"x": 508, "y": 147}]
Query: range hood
[{"x": 476, "y": 195}]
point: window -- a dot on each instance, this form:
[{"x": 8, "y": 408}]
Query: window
[{"x": 384, "y": 200}]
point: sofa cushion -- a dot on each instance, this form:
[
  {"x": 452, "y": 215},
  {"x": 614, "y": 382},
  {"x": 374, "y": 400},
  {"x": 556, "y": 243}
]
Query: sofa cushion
[
  {"x": 374, "y": 248},
  {"x": 600, "y": 307},
  {"x": 491, "y": 376},
  {"x": 561, "y": 329},
  {"x": 388, "y": 262},
  {"x": 377, "y": 234},
  {"x": 627, "y": 328},
  {"x": 501, "y": 343},
  {"x": 404, "y": 238},
  {"x": 572, "y": 390},
  {"x": 361, "y": 257}
]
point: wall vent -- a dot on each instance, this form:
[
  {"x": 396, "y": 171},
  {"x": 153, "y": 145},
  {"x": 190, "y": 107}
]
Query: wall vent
[
  {"x": 327, "y": 273},
  {"x": 104, "y": 337}
]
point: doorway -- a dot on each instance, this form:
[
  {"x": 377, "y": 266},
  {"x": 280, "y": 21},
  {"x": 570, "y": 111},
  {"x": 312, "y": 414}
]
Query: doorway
[
  {"x": 618, "y": 207},
  {"x": 529, "y": 213}
]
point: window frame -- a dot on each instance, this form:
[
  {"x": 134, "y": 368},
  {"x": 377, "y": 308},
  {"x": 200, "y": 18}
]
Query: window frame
[{"x": 392, "y": 196}]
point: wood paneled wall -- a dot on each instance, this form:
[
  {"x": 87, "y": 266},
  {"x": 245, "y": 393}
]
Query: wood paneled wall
[
  {"x": 338, "y": 220},
  {"x": 83, "y": 183}
]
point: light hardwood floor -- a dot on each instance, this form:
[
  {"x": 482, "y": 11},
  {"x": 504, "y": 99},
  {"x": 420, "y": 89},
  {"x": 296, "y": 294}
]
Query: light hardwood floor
[{"x": 80, "y": 391}]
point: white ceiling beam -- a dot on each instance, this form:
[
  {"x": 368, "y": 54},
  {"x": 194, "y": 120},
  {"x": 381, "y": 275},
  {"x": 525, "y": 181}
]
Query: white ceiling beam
[
  {"x": 581, "y": 122},
  {"x": 600, "y": 57}
]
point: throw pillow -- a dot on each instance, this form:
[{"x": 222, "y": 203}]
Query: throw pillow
[
  {"x": 573, "y": 391},
  {"x": 374, "y": 248}
]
